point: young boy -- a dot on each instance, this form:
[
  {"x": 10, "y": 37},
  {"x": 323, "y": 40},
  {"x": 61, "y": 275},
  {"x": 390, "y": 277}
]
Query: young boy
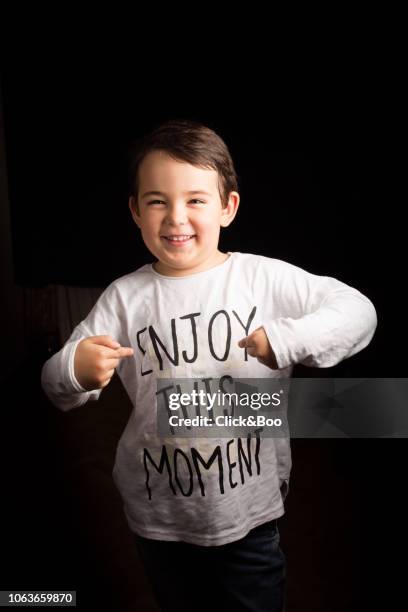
[{"x": 203, "y": 510}]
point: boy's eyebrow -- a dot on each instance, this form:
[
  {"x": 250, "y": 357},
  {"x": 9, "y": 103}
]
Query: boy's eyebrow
[{"x": 159, "y": 193}]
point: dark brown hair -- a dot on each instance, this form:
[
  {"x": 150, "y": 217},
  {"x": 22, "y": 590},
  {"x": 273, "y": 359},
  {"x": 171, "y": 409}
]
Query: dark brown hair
[{"x": 186, "y": 141}]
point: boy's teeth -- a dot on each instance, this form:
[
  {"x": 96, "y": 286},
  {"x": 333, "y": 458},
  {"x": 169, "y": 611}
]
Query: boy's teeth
[{"x": 178, "y": 237}]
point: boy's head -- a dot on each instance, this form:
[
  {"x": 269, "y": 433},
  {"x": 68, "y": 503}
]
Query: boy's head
[{"x": 183, "y": 190}]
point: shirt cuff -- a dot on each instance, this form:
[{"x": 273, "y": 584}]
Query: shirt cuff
[{"x": 71, "y": 370}]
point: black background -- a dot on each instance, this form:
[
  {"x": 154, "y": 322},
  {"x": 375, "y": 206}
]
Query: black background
[{"x": 316, "y": 148}]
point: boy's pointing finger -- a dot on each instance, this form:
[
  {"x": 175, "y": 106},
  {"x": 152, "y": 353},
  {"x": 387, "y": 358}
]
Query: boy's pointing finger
[
  {"x": 118, "y": 353},
  {"x": 249, "y": 345},
  {"x": 124, "y": 351},
  {"x": 247, "y": 342}
]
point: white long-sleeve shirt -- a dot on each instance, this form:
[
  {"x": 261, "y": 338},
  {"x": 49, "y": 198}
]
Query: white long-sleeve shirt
[{"x": 209, "y": 491}]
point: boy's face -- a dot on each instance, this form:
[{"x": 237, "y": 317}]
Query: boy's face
[{"x": 180, "y": 228}]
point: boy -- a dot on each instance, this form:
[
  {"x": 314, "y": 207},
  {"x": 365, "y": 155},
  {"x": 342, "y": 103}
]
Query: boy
[{"x": 204, "y": 511}]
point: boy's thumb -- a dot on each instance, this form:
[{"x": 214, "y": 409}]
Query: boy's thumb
[{"x": 106, "y": 341}]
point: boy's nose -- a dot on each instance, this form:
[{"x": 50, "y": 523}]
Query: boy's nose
[{"x": 176, "y": 215}]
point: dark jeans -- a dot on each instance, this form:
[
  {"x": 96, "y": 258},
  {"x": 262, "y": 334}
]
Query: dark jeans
[{"x": 246, "y": 575}]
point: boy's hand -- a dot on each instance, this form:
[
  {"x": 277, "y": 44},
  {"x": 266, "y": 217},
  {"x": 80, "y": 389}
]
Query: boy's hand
[
  {"x": 95, "y": 361},
  {"x": 257, "y": 345}
]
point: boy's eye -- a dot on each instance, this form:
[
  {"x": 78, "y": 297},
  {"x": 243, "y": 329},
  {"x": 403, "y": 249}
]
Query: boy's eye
[{"x": 162, "y": 202}]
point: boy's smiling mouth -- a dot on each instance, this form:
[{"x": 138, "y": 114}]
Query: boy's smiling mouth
[{"x": 178, "y": 239}]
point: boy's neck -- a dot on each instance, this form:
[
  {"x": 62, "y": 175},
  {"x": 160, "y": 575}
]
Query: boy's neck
[{"x": 166, "y": 271}]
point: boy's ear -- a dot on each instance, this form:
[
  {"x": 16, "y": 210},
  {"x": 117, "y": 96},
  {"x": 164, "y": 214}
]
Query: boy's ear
[
  {"x": 134, "y": 210},
  {"x": 228, "y": 213}
]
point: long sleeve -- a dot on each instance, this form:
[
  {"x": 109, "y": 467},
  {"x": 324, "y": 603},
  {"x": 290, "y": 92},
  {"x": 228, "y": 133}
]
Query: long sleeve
[
  {"x": 57, "y": 376},
  {"x": 316, "y": 320}
]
